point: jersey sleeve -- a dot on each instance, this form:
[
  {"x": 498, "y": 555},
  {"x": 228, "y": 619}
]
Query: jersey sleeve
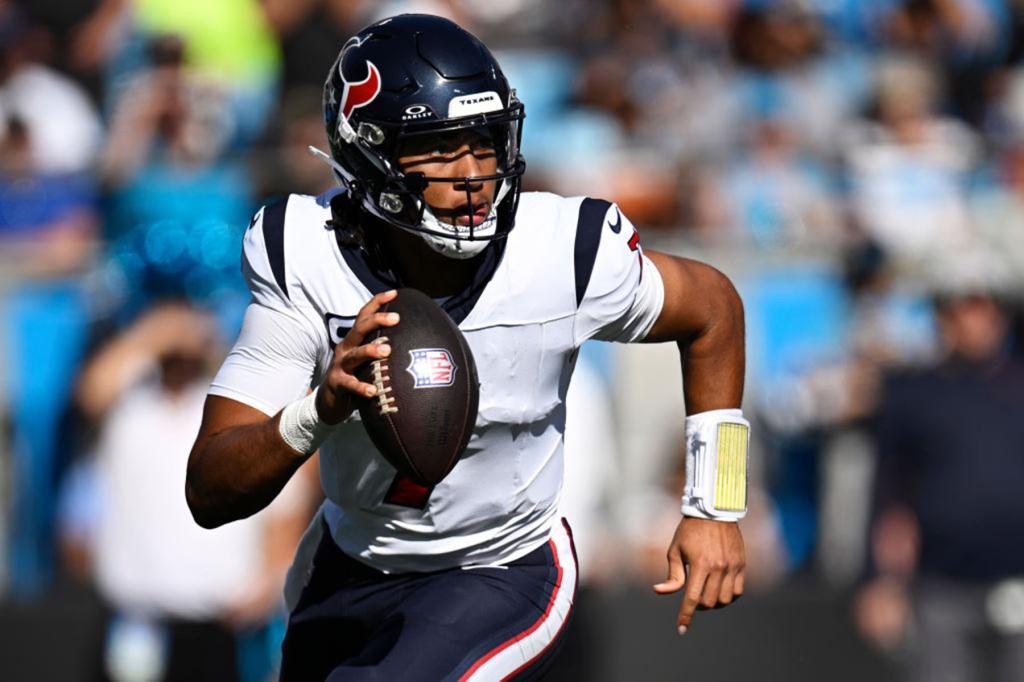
[
  {"x": 274, "y": 359},
  {"x": 619, "y": 292}
]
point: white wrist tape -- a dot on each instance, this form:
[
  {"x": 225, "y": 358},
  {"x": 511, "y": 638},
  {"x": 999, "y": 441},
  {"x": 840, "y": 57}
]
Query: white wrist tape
[
  {"x": 716, "y": 465},
  {"x": 301, "y": 427}
]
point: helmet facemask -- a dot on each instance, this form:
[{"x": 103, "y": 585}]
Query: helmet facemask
[
  {"x": 396, "y": 197},
  {"x": 441, "y": 229}
]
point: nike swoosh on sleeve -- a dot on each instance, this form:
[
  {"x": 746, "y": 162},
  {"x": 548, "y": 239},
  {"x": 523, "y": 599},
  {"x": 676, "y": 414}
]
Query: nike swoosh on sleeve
[{"x": 617, "y": 225}]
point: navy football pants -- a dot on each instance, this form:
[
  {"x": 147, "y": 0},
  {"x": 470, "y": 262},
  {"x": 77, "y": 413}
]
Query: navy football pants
[{"x": 488, "y": 623}]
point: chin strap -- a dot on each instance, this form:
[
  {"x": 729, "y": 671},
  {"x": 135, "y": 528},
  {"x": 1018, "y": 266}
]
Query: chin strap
[{"x": 453, "y": 247}]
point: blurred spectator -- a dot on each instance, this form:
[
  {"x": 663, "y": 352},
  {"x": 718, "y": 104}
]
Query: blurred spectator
[
  {"x": 887, "y": 324},
  {"x": 177, "y": 203},
  {"x": 180, "y": 596},
  {"x": 58, "y": 120},
  {"x": 288, "y": 167},
  {"x": 997, "y": 208},
  {"x": 882, "y": 324},
  {"x": 311, "y": 33},
  {"x": 949, "y": 508},
  {"x": 771, "y": 195},
  {"x": 966, "y": 37},
  {"x": 166, "y": 115},
  {"x": 606, "y": 143},
  {"x": 49, "y": 134},
  {"x": 48, "y": 222},
  {"x": 49, "y": 137},
  {"x": 908, "y": 168},
  {"x": 788, "y": 70},
  {"x": 230, "y": 44}
]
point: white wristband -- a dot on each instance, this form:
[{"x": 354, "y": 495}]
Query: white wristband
[
  {"x": 717, "y": 467},
  {"x": 301, "y": 427}
]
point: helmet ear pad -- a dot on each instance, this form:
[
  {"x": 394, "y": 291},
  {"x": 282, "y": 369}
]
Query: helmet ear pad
[{"x": 412, "y": 76}]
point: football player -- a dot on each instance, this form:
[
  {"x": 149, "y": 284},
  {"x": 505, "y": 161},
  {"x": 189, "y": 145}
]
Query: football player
[{"x": 475, "y": 577}]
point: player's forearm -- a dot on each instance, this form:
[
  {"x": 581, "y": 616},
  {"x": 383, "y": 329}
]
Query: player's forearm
[
  {"x": 703, "y": 314},
  {"x": 714, "y": 360},
  {"x": 235, "y": 472}
]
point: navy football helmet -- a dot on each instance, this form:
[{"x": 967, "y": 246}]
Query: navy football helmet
[{"x": 418, "y": 75}]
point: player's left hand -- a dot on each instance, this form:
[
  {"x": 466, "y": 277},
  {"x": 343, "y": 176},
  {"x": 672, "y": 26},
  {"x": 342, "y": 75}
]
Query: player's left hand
[{"x": 708, "y": 558}]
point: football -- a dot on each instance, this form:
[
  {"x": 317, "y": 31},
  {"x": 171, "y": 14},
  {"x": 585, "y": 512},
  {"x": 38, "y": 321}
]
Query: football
[{"x": 427, "y": 390}]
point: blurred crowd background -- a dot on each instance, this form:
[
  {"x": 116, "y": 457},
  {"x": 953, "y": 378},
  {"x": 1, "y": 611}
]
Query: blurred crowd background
[{"x": 856, "y": 166}]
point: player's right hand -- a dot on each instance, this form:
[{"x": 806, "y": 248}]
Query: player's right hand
[
  {"x": 334, "y": 400},
  {"x": 708, "y": 559}
]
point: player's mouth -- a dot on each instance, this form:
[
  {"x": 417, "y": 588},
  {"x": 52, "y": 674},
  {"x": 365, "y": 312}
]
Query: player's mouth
[{"x": 475, "y": 215}]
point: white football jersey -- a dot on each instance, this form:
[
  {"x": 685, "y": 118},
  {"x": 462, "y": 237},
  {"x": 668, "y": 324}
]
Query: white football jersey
[{"x": 571, "y": 270}]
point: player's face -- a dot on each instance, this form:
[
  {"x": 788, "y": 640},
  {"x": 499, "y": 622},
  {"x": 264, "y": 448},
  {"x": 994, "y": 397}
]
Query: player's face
[{"x": 461, "y": 154}]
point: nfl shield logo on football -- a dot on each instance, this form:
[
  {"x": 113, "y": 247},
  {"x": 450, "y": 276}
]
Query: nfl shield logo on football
[{"x": 431, "y": 367}]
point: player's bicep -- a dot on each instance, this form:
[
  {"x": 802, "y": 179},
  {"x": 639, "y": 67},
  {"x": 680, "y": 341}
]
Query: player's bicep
[
  {"x": 696, "y": 297},
  {"x": 271, "y": 364},
  {"x": 221, "y": 414}
]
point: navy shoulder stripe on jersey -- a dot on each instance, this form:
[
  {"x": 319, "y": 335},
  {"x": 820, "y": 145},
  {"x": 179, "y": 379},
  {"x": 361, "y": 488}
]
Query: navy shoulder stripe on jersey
[
  {"x": 588, "y": 237},
  {"x": 273, "y": 238}
]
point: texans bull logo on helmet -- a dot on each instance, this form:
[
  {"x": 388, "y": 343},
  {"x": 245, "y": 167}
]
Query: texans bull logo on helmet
[
  {"x": 359, "y": 94},
  {"x": 354, "y": 93}
]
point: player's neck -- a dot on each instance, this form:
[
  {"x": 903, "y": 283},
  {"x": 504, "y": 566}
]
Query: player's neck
[{"x": 419, "y": 266}]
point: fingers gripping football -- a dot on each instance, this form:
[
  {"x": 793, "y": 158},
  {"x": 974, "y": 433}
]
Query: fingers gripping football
[{"x": 340, "y": 385}]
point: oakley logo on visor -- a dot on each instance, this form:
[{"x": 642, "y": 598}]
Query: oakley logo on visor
[{"x": 417, "y": 111}]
